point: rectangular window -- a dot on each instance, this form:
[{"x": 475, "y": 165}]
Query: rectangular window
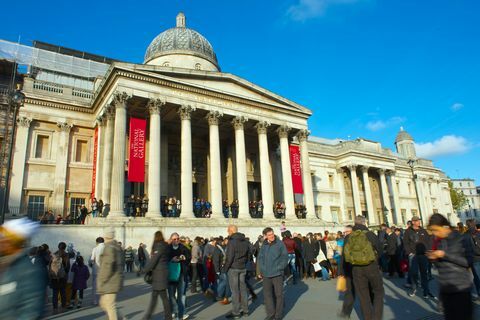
[
  {"x": 379, "y": 216},
  {"x": 42, "y": 146},
  {"x": 75, "y": 204},
  {"x": 414, "y": 212},
  {"x": 36, "y": 206},
  {"x": 404, "y": 216},
  {"x": 350, "y": 214},
  {"x": 81, "y": 151},
  {"x": 335, "y": 215}
]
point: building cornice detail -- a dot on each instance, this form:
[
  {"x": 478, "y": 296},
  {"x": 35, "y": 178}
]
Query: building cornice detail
[
  {"x": 55, "y": 105},
  {"x": 185, "y": 111},
  {"x": 24, "y": 122},
  {"x": 238, "y": 122},
  {"x": 213, "y": 117},
  {"x": 154, "y": 106}
]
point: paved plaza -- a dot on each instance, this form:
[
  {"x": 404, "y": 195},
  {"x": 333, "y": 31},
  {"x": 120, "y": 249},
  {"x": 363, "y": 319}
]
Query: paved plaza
[{"x": 310, "y": 299}]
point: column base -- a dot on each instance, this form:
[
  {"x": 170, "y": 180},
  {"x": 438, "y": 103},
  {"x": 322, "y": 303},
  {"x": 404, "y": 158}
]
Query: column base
[
  {"x": 153, "y": 214},
  {"x": 116, "y": 215}
]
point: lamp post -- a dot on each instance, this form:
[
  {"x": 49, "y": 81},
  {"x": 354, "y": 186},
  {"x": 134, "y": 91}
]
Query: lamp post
[
  {"x": 411, "y": 163},
  {"x": 15, "y": 101}
]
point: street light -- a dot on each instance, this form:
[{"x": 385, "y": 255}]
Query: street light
[
  {"x": 411, "y": 163},
  {"x": 15, "y": 102}
]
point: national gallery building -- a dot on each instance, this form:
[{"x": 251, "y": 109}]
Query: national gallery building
[{"x": 178, "y": 126}]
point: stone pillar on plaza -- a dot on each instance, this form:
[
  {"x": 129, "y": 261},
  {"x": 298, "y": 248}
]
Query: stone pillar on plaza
[
  {"x": 306, "y": 173},
  {"x": 341, "y": 188},
  {"x": 117, "y": 196},
  {"x": 368, "y": 196},
  {"x": 215, "y": 164},
  {"x": 107, "y": 158},
  {"x": 18, "y": 165},
  {"x": 288, "y": 195},
  {"x": 241, "y": 164},
  {"x": 154, "y": 107},
  {"x": 101, "y": 121},
  {"x": 186, "y": 181},
  {"x": 385, "y": 196},
  {"x": 420, "y": 198},
  {"x": 59, "y": 183},
  {"x": 428, "y": 199},
  {"x": 265, "y": 170},
  {"x": 395, "y": 196},
  {"x": 355, "y": 190}
]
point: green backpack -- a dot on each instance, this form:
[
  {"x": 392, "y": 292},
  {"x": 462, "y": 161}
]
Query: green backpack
[{"x": 359, "y": 251}]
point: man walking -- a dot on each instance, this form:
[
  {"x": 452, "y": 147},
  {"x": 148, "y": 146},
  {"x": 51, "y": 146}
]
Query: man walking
[
  {"x": 110, "y": 275},
  {"x": 180, "y": 256},
  {"x": 361, "y": 250},
  {"x": 95, "y": 265},
  {"x": 237, "y": 252},
  {"x": 416, "y": 242},
  {"x": 273, "y": 259}
]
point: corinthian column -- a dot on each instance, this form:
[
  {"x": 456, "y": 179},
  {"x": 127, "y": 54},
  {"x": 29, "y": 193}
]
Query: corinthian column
[
  {"x": 186, "y": 182},
  {"x": 355, "y": 190},
  {"x": 288, "y": 195},
  {"x": 59, "y": 183},
  {"x": 385, "y": 196},
  {"x": 241, "y": 163},
  {"x": 307, "y": 176},
  {"x": 368, "y": 196},
  {"x": 265, "y": 173},
  {"x": 101, "y": 121},
  {"x": 215, "y": 164},
  {"x": 109, "y": 114},
  {"x": 117, "y": 196},
  {"x": 154, "y": 106},
  {"x": 396, "y": 199},
  {"x": 19, "y": 160}
]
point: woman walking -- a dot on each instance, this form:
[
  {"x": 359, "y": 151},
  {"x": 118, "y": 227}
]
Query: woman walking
[
  {"x": 158, "y": 266},
  {"x": 452, "y": 265},
  {"x": 80, "y": 277}
]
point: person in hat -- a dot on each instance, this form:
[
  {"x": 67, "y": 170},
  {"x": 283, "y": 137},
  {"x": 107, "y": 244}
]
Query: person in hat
[
  {"x": 416, "y": 242},
  {"x": 110, "y": 275},
  {"x": 23, "y": 283}
]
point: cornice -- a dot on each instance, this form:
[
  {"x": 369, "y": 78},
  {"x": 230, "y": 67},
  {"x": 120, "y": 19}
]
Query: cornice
[{"x": 56, "y": 105}]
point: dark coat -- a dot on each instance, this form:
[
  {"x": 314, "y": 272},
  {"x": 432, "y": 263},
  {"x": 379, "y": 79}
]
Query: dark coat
[
  {"x": 237, "y": 251},
  {"x": 181, "y": 250},
  {"x": 453, "y": 274},
  {"x": 391, "y": 244},
  {"x": 416, "y": 241},
  {"x": 80, "y": 276},
  {"x": 158, "y": 264},
  {"x": 273, "y": 258},
  {"x": 310, "y": 249}
]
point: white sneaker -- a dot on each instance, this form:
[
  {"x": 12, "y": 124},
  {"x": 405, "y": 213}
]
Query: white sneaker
[{"x": 185, "y": 316}]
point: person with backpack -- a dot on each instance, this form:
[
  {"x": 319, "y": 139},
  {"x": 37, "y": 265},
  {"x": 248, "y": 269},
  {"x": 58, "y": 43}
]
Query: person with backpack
[
  {"x": 361, "y": 251},
  {"x": 110, "y": 275},
  {"x": 58, "y": 273},
  {"x": 80, "y": 276}
]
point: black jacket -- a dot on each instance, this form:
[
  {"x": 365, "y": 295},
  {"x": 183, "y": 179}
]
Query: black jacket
[
  {"x": 310, "y": 249},
  {"x": 391, "y": 244},
  {"x": 238, "y": 249},
  {"x": 181, "y": 250},
  {"x": 416, "y": 241},
  {"x": 453, "y": 274},
  {"x": 159, "y": 265}
]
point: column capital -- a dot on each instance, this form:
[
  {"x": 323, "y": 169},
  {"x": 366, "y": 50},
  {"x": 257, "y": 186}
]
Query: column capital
[
  {"x": 262, "y": 127},
  {"x": 283, "y": 131},
  {"x": 108, "y": 112},
  {"x": 365, "y": 169},
  {"x": 24, "y": 122},
  {"x": 185, "y": 111},
  {"x": 340, "y": 170},
  {"x": 303, "y": 134},
  {"x": 238, "y": 122},
  {"x": 381, "y": 171},
  {"x": 120, "y": 99},
  {"x": 213, "y": 117},
  {"x": 390, "y": 172},
  {"x": 64, "y": 126},
  {"x": 352, "y": 167},
  {"x": 101, "y": 120},
  {"x": 155, "y": 105}
]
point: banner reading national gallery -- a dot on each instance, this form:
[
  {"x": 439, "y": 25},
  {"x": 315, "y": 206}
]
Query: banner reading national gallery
[
  {"x": 136, "y": 161},
  {"x": 296, "y": 169}
]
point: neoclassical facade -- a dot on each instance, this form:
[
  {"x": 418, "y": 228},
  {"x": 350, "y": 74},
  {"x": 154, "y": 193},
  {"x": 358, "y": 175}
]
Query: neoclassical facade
[{"x": 209, "y": 134}]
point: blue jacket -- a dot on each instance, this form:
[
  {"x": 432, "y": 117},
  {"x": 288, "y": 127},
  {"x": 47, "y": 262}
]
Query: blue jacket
[{"x": 273, "y": 258}]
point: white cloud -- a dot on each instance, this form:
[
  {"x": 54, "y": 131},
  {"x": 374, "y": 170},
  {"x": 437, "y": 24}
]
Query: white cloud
[
  {"x": 446, "y": 145},
  {"x": 378, "y": 125},
  {"x": 456, "y": 106},
  {"x": 308, "y": 9}
]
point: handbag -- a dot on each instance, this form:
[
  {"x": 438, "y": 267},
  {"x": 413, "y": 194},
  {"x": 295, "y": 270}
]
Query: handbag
[
  {"x": 341, "y": 284},
  {"x": 148, "y": 277},
  {"x": 174, "y": 270}
]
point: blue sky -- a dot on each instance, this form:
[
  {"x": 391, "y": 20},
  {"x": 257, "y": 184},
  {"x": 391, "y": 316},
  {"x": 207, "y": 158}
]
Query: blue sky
[{"x": 365, "y": 67}]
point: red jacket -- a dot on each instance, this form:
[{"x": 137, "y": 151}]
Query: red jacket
[{"x": 290, "y": 244}]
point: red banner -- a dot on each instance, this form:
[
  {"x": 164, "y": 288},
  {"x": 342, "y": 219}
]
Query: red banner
[
  {"x": 136, "y": 161},
  {"x": 95, "y": 155},
  {"x": 296, "y": 169}
]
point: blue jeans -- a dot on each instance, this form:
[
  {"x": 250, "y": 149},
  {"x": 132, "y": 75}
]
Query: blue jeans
[
  {"x": 176, "y": 295},
  {"x": 325, "y": 275},
  {"x": 476, "y": 276},
  {"x": 419, "y": 265},
  {"x": 223, "y": 288},
  {"x": 292, "y": 266}
]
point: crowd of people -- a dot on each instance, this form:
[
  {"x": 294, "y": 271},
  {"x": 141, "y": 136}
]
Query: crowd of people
[{"x": 226, "y": 268}]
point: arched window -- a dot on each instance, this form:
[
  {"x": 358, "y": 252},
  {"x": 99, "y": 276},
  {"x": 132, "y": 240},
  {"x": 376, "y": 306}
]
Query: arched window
[
  {"x": 166, "y": 64},
  {"x": 198, "y": 66}
]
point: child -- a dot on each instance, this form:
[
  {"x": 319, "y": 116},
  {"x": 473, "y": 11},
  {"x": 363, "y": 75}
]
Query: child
[{"x": 80, "y": 277}]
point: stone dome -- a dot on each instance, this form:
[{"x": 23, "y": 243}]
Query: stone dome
[
  {"x": 181, "y": 41},
  {"x": 403, "y": 136}
]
